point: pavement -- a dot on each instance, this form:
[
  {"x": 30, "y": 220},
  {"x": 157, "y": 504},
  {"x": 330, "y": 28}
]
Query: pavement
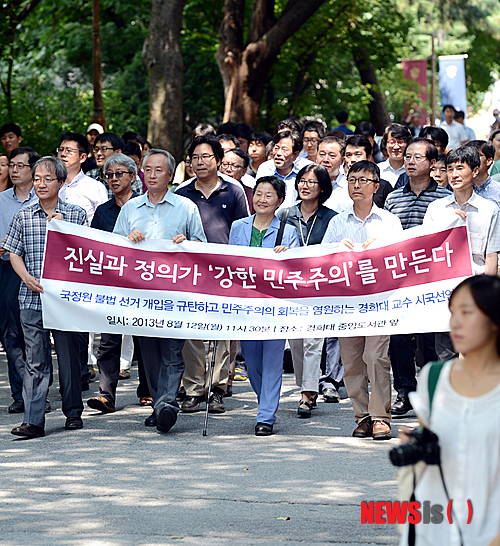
[{"x": 119, "y": 483}]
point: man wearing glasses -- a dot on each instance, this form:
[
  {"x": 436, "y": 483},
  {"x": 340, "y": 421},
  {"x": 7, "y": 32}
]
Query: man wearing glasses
[
  {"x": 365, "y": 358},
  {"x": 20, "y": 196},
  {"x": 220, "y": 203},
  {"x": 235, "y": 164},
  {"x": 161, "y": 214},
  {"x": 409, "y": 204},
  {"x": 106, "y": 145}
]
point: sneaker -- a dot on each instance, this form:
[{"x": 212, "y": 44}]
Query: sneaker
[
  {"x": 240, "y": 374},
  {"x": 216, "y": 403},
  {"x": 124, "y": 374}
]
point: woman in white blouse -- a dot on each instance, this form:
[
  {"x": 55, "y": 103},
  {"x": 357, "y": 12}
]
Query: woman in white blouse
[{"x": 466, "y": 418}]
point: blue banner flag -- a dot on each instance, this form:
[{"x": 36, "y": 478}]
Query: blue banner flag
[{"x": 452, "y": 82}]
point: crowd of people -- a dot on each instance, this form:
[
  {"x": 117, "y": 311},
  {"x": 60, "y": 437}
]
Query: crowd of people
[{"x": 303, "y": 185}]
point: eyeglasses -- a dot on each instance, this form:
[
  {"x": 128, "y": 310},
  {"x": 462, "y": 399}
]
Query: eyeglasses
[
  {"x": 308, "y": 183},
  {"x": 231, "y": 166},
  {"x": 119, "y": 175},
  {"x": 417, "y": 158},
  {"x": 362, "y": 181},
  {"x": 205, "y": 158},
  {"x": 311, "y": 140},
  {"x": 17, "y": 166},
  {"x": 69, "y": 151},
  {"x": 46, "y": 180},
  {"x": 102, "y": 149}
]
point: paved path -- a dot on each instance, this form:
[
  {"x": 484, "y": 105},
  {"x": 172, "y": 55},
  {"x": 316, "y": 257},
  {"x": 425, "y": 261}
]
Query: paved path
[{"x": 118, "y": 483}]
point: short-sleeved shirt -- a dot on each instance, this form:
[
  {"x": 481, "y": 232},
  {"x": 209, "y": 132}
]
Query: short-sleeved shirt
[
  {"x": 489, "y": 189},
  {"x": 482, "y": 223},
  {"x": 224, "y": 205},
  {"x": 106, "y": 214},
  {"x": 10, "y": 204},
  {"x": 26, "y": 238},
  {"x": 312, "y": 231},
  {"x": 172, "y": 216},
  {"x": 409, "y": 207},
  {"x": 85, "y": 192},
  {"x": 379, "y": 224}
]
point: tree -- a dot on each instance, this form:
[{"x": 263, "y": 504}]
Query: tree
[
  {"x": 163, "y": 59},
  {"x": 245, "y": 65}
]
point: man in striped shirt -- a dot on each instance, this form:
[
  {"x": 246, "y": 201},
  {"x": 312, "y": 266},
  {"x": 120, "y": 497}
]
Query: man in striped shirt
[{"x": 410, "y": 204}]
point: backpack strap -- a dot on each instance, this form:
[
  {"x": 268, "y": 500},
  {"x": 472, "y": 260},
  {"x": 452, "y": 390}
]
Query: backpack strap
[
  {"x": 279, "y": 237},
  {"x": 434, "y": 371}
]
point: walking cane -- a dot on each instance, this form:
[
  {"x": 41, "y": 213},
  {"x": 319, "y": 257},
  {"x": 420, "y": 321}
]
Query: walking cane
[{"x": 212, "y": 364}]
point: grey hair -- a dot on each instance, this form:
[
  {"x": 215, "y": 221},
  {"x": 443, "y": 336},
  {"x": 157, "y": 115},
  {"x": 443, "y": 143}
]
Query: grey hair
[
  {"x": 168, "y": 155},
  {"x": 120, "y": 159},
  {"x": 53, "y": 164}
]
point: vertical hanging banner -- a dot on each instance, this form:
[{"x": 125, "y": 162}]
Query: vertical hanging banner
[
  {"x": 101, "y": 282},
  {"x": 452, "y": 81},
  {"x": 417, "y": 71}
]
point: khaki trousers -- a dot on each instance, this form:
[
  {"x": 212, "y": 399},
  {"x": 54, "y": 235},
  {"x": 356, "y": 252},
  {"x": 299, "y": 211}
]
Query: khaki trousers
[
  {"x": 196, "y": 374},
  {"x": 366, "y": 359},
  {"x": 306, "y": 357}
]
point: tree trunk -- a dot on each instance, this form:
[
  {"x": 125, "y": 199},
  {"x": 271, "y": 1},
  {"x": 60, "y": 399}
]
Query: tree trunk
[
  {"x": 245, "y": 68},
  {"x": 377, "y": 109},
  {"x": 163, "y": 58}
]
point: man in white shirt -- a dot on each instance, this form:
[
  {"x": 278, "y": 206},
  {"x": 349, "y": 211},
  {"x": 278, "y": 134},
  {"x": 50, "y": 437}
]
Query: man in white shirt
[
  {"x": 79, "y": 189},
  {"x": 481, "y": 214},
  {"x": 365, "y": 359},
  {"x": 396, "y": 138},
  {"x": 286, "y": 149},
  {"x": 331, "y": 156},
  {"x": 456, "y": 132}
]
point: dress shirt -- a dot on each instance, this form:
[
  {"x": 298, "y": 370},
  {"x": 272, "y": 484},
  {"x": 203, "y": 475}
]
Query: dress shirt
[
  {"x": 339, "y": 200},
  {"x": 26, "y": 238},
  {"x": 387, "y": 172},
  {"x": 456, "y": 133},
  {"x": 379, "y": 224},
  {"x": 409, "y": 207},
  {"x": 315, "y": 226},
  {"x": 106, "y": 214},
  {"x": 489, "y": 189},
  {"x": 97, "y": 175},
  {"x": 173, "y": 215},
  {"x": 482, "y": 223},
  {"x": 225, "y": 204},
  {"x": 10, "y": 204},
  {"x": 84, "y": 191}
]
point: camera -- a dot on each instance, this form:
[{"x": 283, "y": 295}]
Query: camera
[{"x": 423, "y": 446}]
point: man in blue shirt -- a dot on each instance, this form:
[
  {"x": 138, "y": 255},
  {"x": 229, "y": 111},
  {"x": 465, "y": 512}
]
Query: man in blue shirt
[
  {"x": 21, "y": 195},
  {"x": 161, "y": 214}
]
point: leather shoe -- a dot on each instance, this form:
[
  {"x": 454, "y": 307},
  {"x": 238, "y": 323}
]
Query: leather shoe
[
  {"x": 166, "y": 419},
  {"x": 28, "y": 431},
  {"x": 191, "y": 404},
  {"x": 401, "y": 406},
  {"x": 101, "y": 404},
  {"x": 151, "y": 420},
  {"x": 263, "y": 429},
  {"x": 331, "y": 395},
  {"x": 73, "y": 423},
  {"x": 48, "y": 405},
  {"x": 381, "y": 430},
  {"x": 364, "y": 429},
  {"x": 17, "y": 407}
]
